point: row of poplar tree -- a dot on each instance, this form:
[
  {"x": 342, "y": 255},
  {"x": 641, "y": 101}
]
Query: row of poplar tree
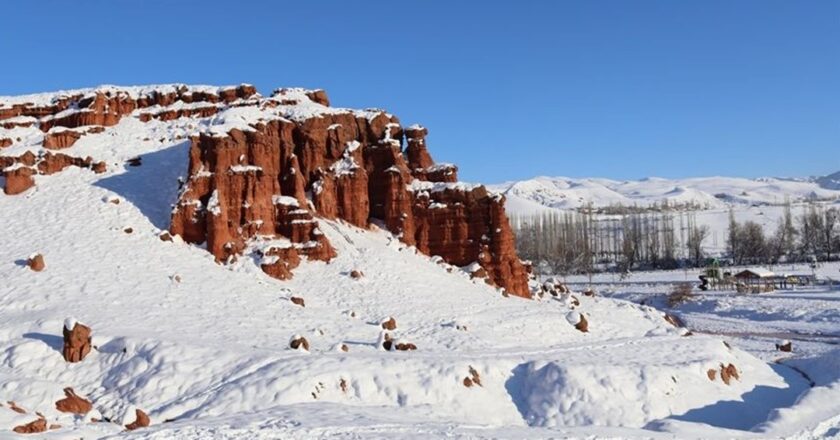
[{"x": 586, "y": 241}]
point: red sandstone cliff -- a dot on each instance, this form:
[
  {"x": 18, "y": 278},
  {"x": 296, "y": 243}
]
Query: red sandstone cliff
[
  {"x": 252, "y": 182},
  {"x": 270, "y": 167}
]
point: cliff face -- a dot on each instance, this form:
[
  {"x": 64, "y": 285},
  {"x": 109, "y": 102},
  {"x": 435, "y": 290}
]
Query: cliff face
[
  {"x": 272, "y": 179},
  {"x": 263, "y": 170}
]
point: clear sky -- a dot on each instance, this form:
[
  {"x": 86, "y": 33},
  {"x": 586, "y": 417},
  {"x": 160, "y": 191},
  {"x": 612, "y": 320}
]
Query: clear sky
[{"x": 508, "y": 90}]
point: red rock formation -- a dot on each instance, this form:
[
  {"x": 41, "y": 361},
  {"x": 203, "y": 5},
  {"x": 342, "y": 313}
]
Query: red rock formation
[
  {"x": 5, "y": 142},
  {"x": 72, "y": 403},
  {"x": 299, "y": 343},
  {"x": 36, "y": 262},
  {"x": 337, "y": 164},
  {"x": 39, "y": 425},
  {"x": 18, "y": 179},
  {"x": 389, "y": 324},
  {"x": 141, "y": 420},
  {"x": 355, "y": 170},
  {"x": 58, "y": 139},
  {"x": 76, "y": 341},
  {"x": 19, "y": 171}
]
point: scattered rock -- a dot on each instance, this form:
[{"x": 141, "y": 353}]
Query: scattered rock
[
  {"x": 36, "y": 262},
  {"x": 356, "y": 274},
  {"x": 165, "y": 236},
  {"x": 72, "y": 403},
  {"x": 344, "y": 348},
  {"x": 729, "y": 372},
  {"x": 128, "y": 230},
  {"x": 389, "y": 324},
  {"x": 298, "y": 342},
  {"x": 14, "y": 407},
  {"x": 468, "y": 382},
  {"x": 712, "y": 373},
  {"x": 297, "y": 300},
  {"x": 76, "y": 340},
  {"x": 141, "y": 420},
  {"x": 54, "y": 426},
  {"x": 405, "y": 346},
  {"x": 39, "y": 425},
  {"x": 474, "y": 376},
  {"x": 589, "y": 292},
  {"x": 135, "y": 161},
  {"x": 578, "y": 320},
  {"x": 343, "y": 385},
  {"x": 785, "y": 346}
]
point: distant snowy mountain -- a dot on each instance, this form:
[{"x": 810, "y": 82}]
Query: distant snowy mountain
[
  {"x": 831, "y": 181},
  {"x": 539, "y": 193}
]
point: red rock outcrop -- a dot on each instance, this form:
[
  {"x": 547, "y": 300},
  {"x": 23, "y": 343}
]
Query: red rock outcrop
[
  {"x": 267, "y": 179},
  {"x": 73, "y": 403},
  {"x": 19, "y": 171},
  {"x": 76, "y": 341},
  {"x": 68, "y": 117},
  {"x": 18, "y": 179},
  {"x": 141, "y": 420},
  {"x": 36, "y": 426},
  {"x": 36, "y": 262},
  {"x": 251, "y": 184}
]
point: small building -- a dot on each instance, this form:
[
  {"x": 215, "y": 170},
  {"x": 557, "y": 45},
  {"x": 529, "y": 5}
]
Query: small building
[
  {"x": 755, "y": 281},
  {"x": 754, "y": 276}
]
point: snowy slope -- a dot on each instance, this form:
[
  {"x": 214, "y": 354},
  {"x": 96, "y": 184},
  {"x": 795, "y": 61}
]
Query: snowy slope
[
  {"x": 204, "y": 348},
  {"x": 707, "y": 192}
]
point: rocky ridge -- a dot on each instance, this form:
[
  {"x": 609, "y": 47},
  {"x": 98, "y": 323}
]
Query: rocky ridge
[{"x": 264, "y": 170}]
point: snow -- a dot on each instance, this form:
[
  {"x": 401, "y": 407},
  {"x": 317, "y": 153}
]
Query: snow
[
  {"x": 285, "y": 200},
  {"x": 185, "y": 338},
  {"x": 707, "y": 192}
]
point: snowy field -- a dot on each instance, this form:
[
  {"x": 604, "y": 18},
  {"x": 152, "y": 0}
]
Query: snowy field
[{"x": 204, "y": 348}]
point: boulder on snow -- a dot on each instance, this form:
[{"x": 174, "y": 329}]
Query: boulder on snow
[
  {"x": 356, "y": 274},
  {"x": 14, "y": 407},
  {"x": 729, "y": 372},
  {"x": 72, "y": 403},
  {"x": 298, "y": 342},
  {"x": 141, "y": 420},
  {"x": 785, "y": 346},
  {"x": 165, "y": 236},
  {"x": 712, "y": 374},
  {"x": 578, "y": 320},
  {"x": 405, "y": 346},
  {"x": 297, "y": 300},
  {"x": 76, "y": 340},
  {"x": 389, "y": 324},
  {"x": 589, "y": 292},
  {"x": 36, "y": 426},
  {"x": 36, "y": 262}
]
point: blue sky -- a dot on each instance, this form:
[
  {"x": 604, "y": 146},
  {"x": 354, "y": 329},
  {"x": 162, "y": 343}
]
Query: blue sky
[{"x": 508, "y": 90}]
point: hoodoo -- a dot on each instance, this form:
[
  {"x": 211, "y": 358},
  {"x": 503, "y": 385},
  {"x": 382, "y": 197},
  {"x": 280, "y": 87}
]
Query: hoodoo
[{"x": 297, "y": 160}]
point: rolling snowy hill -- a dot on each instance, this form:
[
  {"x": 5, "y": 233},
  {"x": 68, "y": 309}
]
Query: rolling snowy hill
[{"x": 531, "y": 196}]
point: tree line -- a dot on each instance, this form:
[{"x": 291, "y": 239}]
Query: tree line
[
  {"x": 812, "y": 236},
  {"x": 587, "y": 241}
]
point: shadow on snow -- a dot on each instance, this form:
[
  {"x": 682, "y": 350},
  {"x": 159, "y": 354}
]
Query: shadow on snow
[{"x": 153, "y": 186}]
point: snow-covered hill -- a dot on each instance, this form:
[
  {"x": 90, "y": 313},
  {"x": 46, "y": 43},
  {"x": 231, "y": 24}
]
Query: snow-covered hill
[
  {"x": 529, "y": 196},
  {"x": 204, "y": 348}
]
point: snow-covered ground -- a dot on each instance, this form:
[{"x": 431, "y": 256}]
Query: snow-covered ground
[
  {"x": 808, "y": 317},
  {"x": 204, "y": 348}
]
